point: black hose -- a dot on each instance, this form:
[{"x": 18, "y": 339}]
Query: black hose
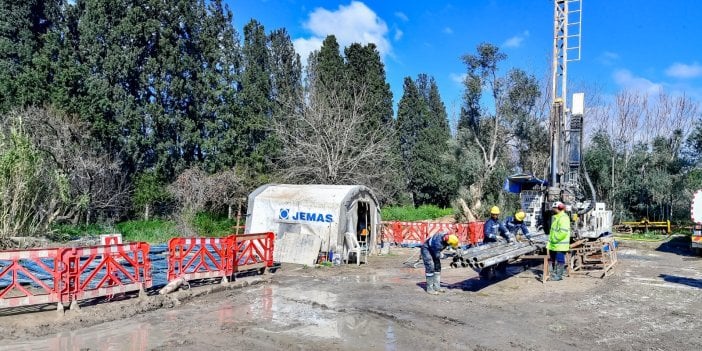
[{"x": 592, "y": 192}]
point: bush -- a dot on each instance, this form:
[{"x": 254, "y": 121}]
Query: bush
[
  {"x": 153, "y": 231},
  {"x": 210, "y": 225},
  {"x": 409, "y": 213}
]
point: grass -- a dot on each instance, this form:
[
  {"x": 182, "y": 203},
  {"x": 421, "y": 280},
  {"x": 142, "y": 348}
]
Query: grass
[
  {"x": 409, "y": 213},
  {"x": 645, "y": 236},
  {"x": 153, "y": 231}
]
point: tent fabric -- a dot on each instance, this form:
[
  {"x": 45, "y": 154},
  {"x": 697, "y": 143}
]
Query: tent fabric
[{"x": 328, "y": 211}]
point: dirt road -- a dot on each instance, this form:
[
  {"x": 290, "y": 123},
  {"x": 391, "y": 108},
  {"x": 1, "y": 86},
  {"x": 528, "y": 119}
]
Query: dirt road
[{"x": 653, "y": 301}]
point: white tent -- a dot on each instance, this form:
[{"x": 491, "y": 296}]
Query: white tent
[{"x": 327, "y": 211}]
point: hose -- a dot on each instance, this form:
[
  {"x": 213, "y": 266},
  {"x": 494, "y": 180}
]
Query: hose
[{"x": 592, "y": 192}]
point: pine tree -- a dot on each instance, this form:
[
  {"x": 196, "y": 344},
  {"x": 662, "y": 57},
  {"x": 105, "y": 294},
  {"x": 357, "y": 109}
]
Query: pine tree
[
  {"x": 254, "y": 133},
  {"x": 424, "y": 136},
  {"x": 221, "y": 108},
  {"x": 28, "y": 35}
]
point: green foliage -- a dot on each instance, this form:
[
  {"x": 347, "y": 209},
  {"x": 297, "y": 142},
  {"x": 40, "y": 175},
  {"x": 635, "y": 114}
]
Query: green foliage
[
  {"x": 210, "y": 225},
  {"x": 149, "y": 189},
  {"x": 29, "y": 185},
  {"x": 153, "y": 231},
  {"x": 424, "y": 143},
  {"x": 410, "y": 213},
  {"x": 65, "y": 232}
]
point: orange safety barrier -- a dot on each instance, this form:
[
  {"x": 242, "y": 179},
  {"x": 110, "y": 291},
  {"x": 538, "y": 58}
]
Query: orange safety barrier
[
  {"x": 198, "y": 258},
  {"x": 106, "y": 269},
  {"x": 410, "y": 233},
  {"x": 253, "y": 251},
  {"x": 39, "y": 276},
  {"x": 31, "y": 287}
]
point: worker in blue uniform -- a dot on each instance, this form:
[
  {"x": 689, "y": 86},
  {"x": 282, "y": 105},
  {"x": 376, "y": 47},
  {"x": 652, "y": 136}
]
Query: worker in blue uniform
[
  {"x": 431, "y": 256},
  {"x": 492, "y": 231},
  {"x": 515, "y": 224}
]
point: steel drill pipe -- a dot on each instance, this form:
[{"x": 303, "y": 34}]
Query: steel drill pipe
[
  {"x": 497, "y": 251},
  {"x": 487, "y": 250},
  {"x": 506, "y": 256}
]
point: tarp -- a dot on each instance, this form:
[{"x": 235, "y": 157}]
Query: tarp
[
  {"x": 518, "y": 182},
  {"x": 327, "y": 211}
]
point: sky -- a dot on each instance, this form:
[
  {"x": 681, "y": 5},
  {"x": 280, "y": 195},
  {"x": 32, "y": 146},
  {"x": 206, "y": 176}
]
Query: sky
[{"x": 642, "y": 45}]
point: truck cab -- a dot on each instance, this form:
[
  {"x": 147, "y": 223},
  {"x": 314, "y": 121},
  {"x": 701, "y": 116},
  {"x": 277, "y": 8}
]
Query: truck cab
[{"x": 696, "y": 238}]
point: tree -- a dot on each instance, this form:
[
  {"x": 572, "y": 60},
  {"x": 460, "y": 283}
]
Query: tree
[
  {"x": 221, "y": 110},
  {"x": 327, "y": 144},
  {"x": 148, "y": 190},
  {"x": 26, "y": 183},
  {"x": 488, "y": 130},
  {"x": 286, "y": 75},
  {"x": 424, "y": 135},
  {"x": 255, "y": 131},
  {"x": 27, "y": 33}
]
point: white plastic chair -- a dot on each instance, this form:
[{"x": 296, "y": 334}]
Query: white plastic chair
[{"x": 352, "y": 245}]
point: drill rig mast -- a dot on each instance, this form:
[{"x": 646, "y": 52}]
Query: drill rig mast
[{"x": 590, "y": 219}]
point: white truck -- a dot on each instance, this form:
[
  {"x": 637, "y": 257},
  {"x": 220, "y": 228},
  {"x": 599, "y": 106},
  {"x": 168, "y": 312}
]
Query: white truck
[{"x": 696, "y": 216}]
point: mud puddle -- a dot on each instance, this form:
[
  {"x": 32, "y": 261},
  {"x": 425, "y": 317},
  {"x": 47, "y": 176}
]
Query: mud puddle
[{"x": 269, "y": 310}]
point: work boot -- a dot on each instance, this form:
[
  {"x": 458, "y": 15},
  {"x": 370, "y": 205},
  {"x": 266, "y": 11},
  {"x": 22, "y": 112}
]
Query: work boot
[
  {"x": 558, "y": 272},
  {"x": 552, "y": 271},
  {"x": 430, "y": 285},
  {"x": 561, "y": 271},
  {"x": 437, "y": 283}
]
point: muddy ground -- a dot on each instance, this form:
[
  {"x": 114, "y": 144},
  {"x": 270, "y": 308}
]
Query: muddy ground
[{"x": 653, "y": 301}]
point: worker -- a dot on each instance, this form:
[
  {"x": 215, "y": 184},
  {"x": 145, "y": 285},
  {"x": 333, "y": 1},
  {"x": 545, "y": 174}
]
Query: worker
[
  {"x": 558, "y": 240},
  {"x": 431, "y": 256},
  {"x": 515, "y": 224},
  {"x": 491, "y": 230},
  {"x": 493, "y": 227}
]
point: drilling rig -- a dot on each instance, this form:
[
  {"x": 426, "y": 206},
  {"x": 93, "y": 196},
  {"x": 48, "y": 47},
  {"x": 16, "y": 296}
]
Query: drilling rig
[
  {"x": 590, "y": 219},
  {"x": 593, "y": 249}
]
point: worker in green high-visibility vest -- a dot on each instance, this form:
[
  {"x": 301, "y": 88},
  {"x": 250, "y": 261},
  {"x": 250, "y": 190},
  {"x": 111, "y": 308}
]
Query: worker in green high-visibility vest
[{"x": 558, "y": 240}]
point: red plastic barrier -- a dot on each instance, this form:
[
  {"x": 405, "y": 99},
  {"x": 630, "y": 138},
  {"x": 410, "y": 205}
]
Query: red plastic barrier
[
  {"x": 417, "y": 232},
  {"x": 253, "y": 251},
  {"x": 475, "y": 232},
  {"x": 198, "y": 258},
  {"x": 39, "y": 291},
  {"x": 106, "y": 269}
]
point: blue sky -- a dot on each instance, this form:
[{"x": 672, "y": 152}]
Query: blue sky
[{"x": 643, "y": 45}]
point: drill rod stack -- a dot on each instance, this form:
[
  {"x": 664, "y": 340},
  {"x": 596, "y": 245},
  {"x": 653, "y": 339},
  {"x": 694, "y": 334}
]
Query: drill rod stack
[{"x": 491, "y": 254}]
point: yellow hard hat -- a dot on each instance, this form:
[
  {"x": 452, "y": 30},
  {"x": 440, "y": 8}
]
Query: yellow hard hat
[
  {"x": 520, "y": 215},
  {"x": 452, "y": 240},
  {"x": 495, "y": 210}
]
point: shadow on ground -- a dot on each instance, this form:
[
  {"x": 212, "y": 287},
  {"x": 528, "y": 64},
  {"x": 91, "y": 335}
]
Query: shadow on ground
[
  {"x": 679, "y": 245},
  {"x": 695, "y": 283}
]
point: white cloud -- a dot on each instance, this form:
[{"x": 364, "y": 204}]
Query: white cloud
[
  {"x": 355, "y": 23},
  {"x": 458, "y": 78},
  {"x": 516, "y": 41},
  {"x": 305, "y": 46},
  {"x": 627, "y": 80},
  {"x": 681, "y": 70},
  {"x": 608, "y": 58},
  {"x": 402, "y": 16},
  {"x": 398, "y": 34},
  {"x": 448, "y": 30}
]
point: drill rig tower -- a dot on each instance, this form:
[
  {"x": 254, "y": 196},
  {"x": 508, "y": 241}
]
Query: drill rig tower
[
  {"x": 566, "y": 168},
  {"x": 590, "y": 219}
]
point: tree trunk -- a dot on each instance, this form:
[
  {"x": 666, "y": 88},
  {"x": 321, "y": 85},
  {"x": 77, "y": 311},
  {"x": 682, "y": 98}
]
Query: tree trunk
[{"x": 147, "y": 210}]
